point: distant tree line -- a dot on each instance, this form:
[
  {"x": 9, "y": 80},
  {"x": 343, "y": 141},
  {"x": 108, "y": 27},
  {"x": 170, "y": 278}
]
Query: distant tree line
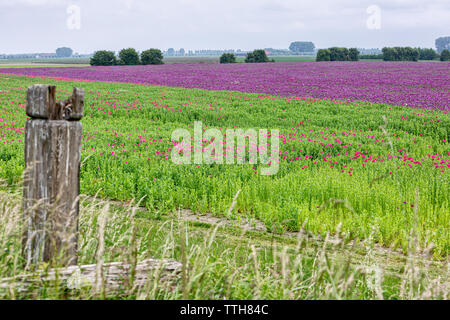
[
  {"x": 413, "y": 54},
  {"x": 427, "y": 54},
  {"x": 127, "y": 57},
  {"x": 338, "y": 54},
  {"x": 228, "y": 58},
  {"x": 400, "y": 54},
  {"x": 408, "y": 54},
  {"x": 445, "y": 55},
  {"x": 371, "y": 56},
  {"x": 130, "y": 56},
  {"x": 257, "y": 56},
  {"x": 424, "y": 54}
]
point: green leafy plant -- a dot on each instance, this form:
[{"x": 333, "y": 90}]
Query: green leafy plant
[
  {"x": 257, "y": 56},
  {"x": 323, "y": 55},
  {"x": 445, "y": 55}
]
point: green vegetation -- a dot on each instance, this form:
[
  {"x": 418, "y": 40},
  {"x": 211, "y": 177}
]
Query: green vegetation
[
  {"x": 371, "y": 56},
  {"x": 225, "y": 263},
  {"x": 129, "y": 57},
  {"x": 427, "y": 54},
  {"x": 353, "y": 54},
  {"x": 338, "y": 54},
  {"x": 405, "y": 54},
  {"x": 103, "y": 58},
  {"x": 400, "y": 54},
  {"x": 152, "y": 56},
  {"x": 257, "y": 56},
  {"x": 342, "y": 165},
  {"x": 323, "y": 55},
  {"x": 228, "y": 58}
]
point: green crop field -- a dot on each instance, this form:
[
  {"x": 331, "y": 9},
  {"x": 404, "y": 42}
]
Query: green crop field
[
  {"x": 342, "y": 165},
  {"x": 74, "y": 62}
]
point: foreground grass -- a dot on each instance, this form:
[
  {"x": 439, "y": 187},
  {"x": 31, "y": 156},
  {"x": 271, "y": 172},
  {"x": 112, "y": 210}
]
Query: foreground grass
[
  {"x": 65, "y": 62},
  {"x": 227, "y": 263},
  {"x": 342, "y": 163}
]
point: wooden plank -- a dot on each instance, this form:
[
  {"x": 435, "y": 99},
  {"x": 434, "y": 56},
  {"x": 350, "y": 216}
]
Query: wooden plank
[
  {"x": 76, "y": 109},
  {"x": 51, "y": 190},
  {"x": 41, "y": 104},
  {"x": 116, "y": 277}
]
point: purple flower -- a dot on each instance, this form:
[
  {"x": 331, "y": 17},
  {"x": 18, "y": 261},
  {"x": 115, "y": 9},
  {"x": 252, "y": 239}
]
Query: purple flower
[{"x": 409, "y": 84}]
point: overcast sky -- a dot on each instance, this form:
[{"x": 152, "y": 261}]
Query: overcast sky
[{"x": 44, "y": 25}]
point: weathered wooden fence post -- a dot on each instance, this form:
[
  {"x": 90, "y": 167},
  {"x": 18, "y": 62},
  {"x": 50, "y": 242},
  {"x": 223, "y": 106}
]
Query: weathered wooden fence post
[{"x": 52, "y": 176}]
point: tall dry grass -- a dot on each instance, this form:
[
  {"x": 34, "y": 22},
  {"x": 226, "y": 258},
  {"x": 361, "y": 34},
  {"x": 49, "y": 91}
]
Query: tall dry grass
[{"x": 221, "y": 263}]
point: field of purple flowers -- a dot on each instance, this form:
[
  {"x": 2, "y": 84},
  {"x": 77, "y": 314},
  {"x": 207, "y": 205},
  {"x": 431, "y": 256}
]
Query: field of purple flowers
[{"x": 424, "y": 84}]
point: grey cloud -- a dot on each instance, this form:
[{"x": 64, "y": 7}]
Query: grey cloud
[{"x": 40, "y": 25}]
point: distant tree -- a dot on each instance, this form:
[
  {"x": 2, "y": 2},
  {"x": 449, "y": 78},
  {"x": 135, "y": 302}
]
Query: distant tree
[
  {"x": 302, "y": 47},
  {"x": 323, "y": 55},
  {"x": 400, "y": 54},
  {"x": 353, "y": 54},
  {"x": 64, "y": 52},
  {"x": 228, "y": 58},
  {"x": 152, "y": 56},
  {"x": 389, "y": 54},
  {"x": 339, "y": 54},
  {"x": 128, "y": 57},
  {"x": 445, "y": 55},
  {"x": 171, "y": 52},
  {"x": 411, "y": 54},
  {"x": 103, "y": 58},
  {"x": 427, "y": 54},
  {"x": 257, "y": 56},
  {"x": 250, "y": 58},
  {"x": 182, "y": 52},
  {"x": 442, "y": 43}
]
